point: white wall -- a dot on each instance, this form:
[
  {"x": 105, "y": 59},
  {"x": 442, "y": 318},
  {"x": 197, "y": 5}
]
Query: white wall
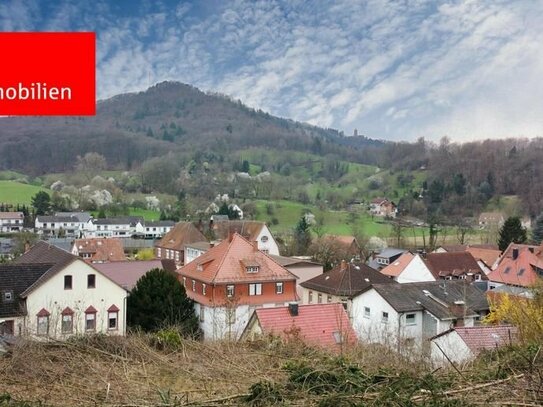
[
  {"x": 270, "y": 245},
  {"x": 52, "y": 296},
  {"x": 453, "y": 346},
  {"x": 415, "y": 271}
]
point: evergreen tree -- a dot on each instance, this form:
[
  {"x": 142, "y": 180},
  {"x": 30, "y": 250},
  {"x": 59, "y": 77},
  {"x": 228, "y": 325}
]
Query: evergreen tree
[
  {"x": 41, "y": 202},
  {"x": 302, "y": 236},
  {"x": 537, "y": 230},
  {"x": 511, "y": 232},
  {"x": 159, "y": 300}
]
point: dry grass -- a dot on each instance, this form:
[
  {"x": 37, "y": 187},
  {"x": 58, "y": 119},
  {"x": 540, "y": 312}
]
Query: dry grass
[{"x": 131, "y": 372}]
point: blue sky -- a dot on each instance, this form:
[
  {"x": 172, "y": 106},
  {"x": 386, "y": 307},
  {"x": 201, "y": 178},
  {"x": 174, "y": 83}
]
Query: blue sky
[{"x": 395, "y": 70}]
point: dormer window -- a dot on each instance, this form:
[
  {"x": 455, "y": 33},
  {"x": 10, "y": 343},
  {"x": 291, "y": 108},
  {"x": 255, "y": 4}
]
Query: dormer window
[
  {"x": 252, "y": 269},
  {"x": 199, "y": 267},
  {"x": 7, "y": 296}
]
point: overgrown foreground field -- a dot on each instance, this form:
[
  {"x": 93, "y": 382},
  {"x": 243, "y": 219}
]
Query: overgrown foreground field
[{"x": 139, "y": 370}]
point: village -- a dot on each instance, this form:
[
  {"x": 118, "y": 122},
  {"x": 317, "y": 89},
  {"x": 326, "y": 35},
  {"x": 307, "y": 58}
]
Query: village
[{"x": 437, "y": 305}]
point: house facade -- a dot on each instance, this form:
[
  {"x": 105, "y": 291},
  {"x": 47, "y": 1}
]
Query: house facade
[
  {"x": 172, "y": 245},
  {"x": 63, "y": 296},
  {"x": 405, "y": 316},
  {"x": 154, "y": 229},
  {"x": 60, "y": 225},
  {"x": 230, "y": 281},
  {"x": 11, "y": 222},
  {"x": 383, "y": 207},
  {"x": 99, "y": 250},
  {"x": 115, "y": 227}
]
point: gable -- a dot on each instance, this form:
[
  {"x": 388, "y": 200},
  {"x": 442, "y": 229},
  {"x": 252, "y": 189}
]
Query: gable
[{"x": 415, "y": 271}]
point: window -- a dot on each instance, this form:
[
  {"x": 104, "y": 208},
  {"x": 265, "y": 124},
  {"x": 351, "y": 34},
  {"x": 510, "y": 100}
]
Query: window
[
  {"x": 410, "y": 319},
  {"x": 90, "y": 319},
  {"x": 319, "y": 298},
  {"x": 199, "y": 267},
  {"x": 278, "y": 288},
  {"x": 91, "y": 280},
  {"x": 252, "y": 269},
  {"x": 43, "y": 325},
  {"x": 113, "y": 318},
  {"x": 158, "y": 252},
  {"x": 310, "y": 299},
  {"x": 67, "y": 323},
  {"x": 203, "y": 289},
  {"x": 67, "y": 282},
  {"x": 229, "y": 290},
  {"x": 202, "y": 313},
  {"x": 255, "y": 289},
  {"x": 367, "y": 312},
  {"x": 230, "y": 316},
  {"x": 384, "y": 317},
  {"x": 8, "y": 296},
  {"x": 329, "y": 298},
  {"x": 185, "y": 282},
  {"x": 338, "y": 337},
  {"x": 193, "y": 285},
  {"x": 264, "y": 239}
]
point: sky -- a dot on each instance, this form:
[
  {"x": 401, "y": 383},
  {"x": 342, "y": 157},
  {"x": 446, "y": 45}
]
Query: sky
[{"x": 395, "y": 70}]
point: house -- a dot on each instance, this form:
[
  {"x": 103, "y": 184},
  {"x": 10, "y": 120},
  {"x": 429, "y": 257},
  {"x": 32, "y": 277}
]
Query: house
[
  {"x": 383, "y": 207},
  {"x": 99, "y": 250},
  {"x": 196, "y": 249},
  {"x": 172, "y": 245},
  {"x": 61, "y": 225},
  {"x": 125, "y": 226},
  {"x": 385, "y": 257},
  {"x": 522, "y": 269},
  {"x": 347, "y": 245},
  {"x": 405, "y": 316},
  {"x": 485, "y": 254},
  {"x": 251, "y": 230},
  {"x": 460, "y": 344},
  {"x": 50, "y": 293},
  {"x": 342, "y": 285},
  {"x": 230, "y": 281},
  {"x": 127, "y": 273},
  {"x": 411, "y": 268},
  {"x": 11, "y": 222},
  {"x": 491, "y": 220},
  {"x": 304, "y": 269},
  {"x": 323, "y": 325},
  {"x": 154, "y": 229}
]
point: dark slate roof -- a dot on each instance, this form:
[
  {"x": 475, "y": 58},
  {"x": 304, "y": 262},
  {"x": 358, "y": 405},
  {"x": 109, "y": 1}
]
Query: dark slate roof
[
  {"x": 81, "y": 216},
  {"x": 347, "y": 279},
  {"x": 51, "y": 218},
  {"x": 17, "y": 278},
  {"x": 44, "y": 253},
  {"x": 437, "y": 297},
  {"x": 125, "y": 220},
  {"x": 160, "y": 223},
  {"x": 390, "y": 252}
]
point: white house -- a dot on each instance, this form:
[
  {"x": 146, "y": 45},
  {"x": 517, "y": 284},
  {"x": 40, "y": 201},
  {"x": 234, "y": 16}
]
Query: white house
[
  {"x": 115, "y": 227},
  {"x": 11, "y": 222},
  {"x": 253, "y": 231},
  {"x": 154, "y": 229},
  {"x": 461, "y": 344},
  {"x": 405, "y": 316},
  {"x": 60, "y": 296}
]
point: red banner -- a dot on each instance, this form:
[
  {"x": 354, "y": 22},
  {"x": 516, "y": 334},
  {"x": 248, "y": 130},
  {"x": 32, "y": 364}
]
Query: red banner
[{"x": 48, "y": 74}]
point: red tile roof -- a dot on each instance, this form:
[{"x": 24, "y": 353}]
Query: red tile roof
[
  {"x": 101, "y": 249},
  {"x": 452, "y": 264},
  {"x": 395, "y": 268},
  {"x": 487, "y": 256},
  {"x": 478, "y": 338},
  {"x": 520, "y": 271},
  {"x": 316, "y": 324},
  {"x": 224, "y": 263},
  {"x": 11, "y": 215},
  {"x": 182, "y": 234}
]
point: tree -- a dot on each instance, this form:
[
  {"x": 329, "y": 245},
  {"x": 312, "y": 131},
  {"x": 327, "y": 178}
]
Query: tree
[
  {"x": 511, "y": 232},
  {"x": 159, "y": 300},
  {"x": 302, "y": 235},
  {"x": 90, "y": 165},
  {"x": 537, "y": 230},
  {"x": 41, "y": 202}
]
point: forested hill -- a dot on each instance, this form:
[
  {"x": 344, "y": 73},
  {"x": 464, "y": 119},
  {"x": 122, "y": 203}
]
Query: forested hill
[{"x": 168, "y": 117}]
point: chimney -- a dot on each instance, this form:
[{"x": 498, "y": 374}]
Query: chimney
[
  {"x": 293, "y": 309},
  {"x": 515, "y": 253},
  {"x": 200, "y": 225},
  {"x": 27, "y": 246},
  {"x": 230, "y": 236},
  {"x": 343, "y": 265},
  {"x": 531, "y": 249},
  {"x": 423, "y": 254}
]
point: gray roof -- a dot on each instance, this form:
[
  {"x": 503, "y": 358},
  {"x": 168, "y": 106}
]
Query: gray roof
[
  {"x": 54, "y": 218},
  {"x": 44, "y": 253},
  {"x": 390, "y": 252},
  {"x": 203, "y": 246},
  {"x": 125, "y": 220},
  {"x": 17, "y": 278},
  {"x": 437, "y": 297},
  {"x": 292, "y": 261},
  {"x": 81, "y": 216},
  {"x": 160, "y": 223}
]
